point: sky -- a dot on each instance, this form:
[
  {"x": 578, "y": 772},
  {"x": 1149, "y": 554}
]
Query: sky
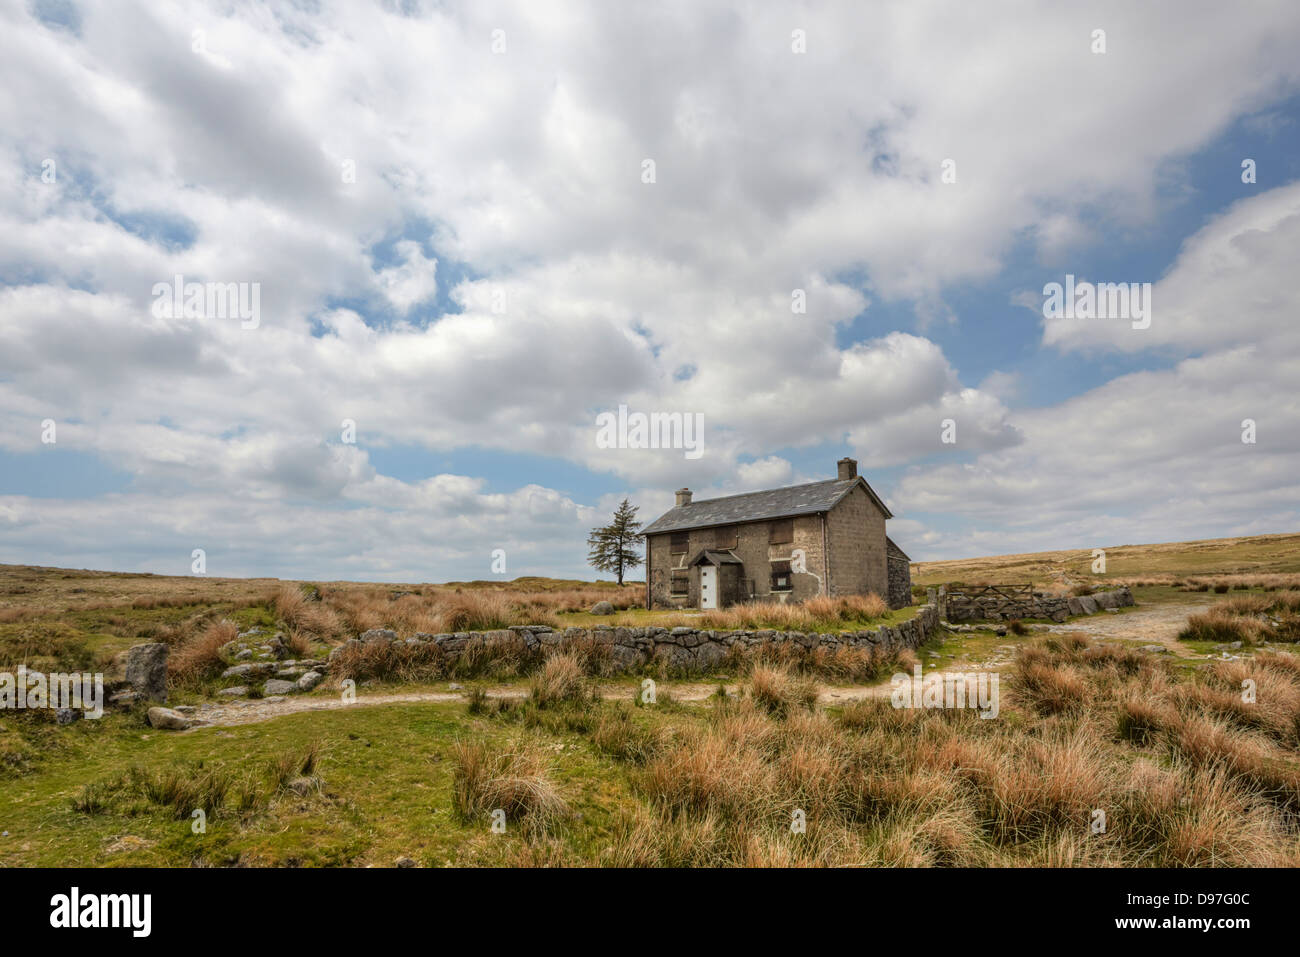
[{"x": 464, "y": 231}]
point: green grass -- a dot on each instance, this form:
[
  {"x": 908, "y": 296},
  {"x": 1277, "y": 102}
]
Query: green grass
[
  {"x": 972, "y": 646},
  {"x": 386, "y": 793}
]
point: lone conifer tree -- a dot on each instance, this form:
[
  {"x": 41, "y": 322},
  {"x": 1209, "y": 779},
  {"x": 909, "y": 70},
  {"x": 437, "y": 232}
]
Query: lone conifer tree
[{"x": 613, "y": 548}]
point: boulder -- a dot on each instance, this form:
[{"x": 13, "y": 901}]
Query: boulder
[
  {"x": 168, "y": 720},
  {"x": 602, "y": 608},
  {"x": 278, "y": 687},
  {"x": 379, "y": 634},
  {"x": 338, "y": 649},
  {"x": 709, "y": 655},
  {"x": 1106, "y": 599},
  {"x": 238, "y": 691},
  {"x": 310, "y": 680},
  {"x": 626, "y": 657},
  {"x": 67, "y": 715},
  {"x": 252, "y": 669},
  {"x": 146, "y": 670}
]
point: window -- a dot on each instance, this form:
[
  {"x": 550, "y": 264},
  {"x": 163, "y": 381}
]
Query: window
[
  {"x": 680, "y": 584},
  {"x": 781, "y": 578},
  {"x": 781, "y": 532},
  {"x": 681, "y": 541},
  {"x": 724, "y": 537}
]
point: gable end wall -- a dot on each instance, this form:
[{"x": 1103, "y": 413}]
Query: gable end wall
[{"x": 856, "y": 536}]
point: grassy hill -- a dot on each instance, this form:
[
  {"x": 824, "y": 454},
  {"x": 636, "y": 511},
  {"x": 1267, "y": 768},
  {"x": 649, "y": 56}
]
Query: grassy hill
[{"x": 1257, "y": 555}]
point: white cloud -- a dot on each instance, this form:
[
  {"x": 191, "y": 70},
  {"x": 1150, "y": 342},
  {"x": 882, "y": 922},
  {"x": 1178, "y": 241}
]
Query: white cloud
[
  {"x": 1158, "y": 455},
  {"x": 776, "y": 172}
]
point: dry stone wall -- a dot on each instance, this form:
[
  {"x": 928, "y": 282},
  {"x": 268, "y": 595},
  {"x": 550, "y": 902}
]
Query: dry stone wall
[
  {"x": 682, "y": 649},
  {"x": 1036, "y": 605}
]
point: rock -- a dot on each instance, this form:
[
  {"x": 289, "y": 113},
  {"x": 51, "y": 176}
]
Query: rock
[
  {"x": 602, "y": 608},
  {"x": 276, "y": 686},
  {"x": 184, "y": 708},
  {"x": 404, "y": 862},
  {"x": 67, "y": 715},
  {"x": 146, "y": 670},
  {"x": 251, "y": 670},
  {"x": 626, "y": 658},
  {"x": 303, "y": 786},
  {"x": 379, "y": 634},
  {"x": 238, "y": 691},
  {"x": 290, "y": 674},
  {"x": 278, "y": 648},
  {"x": 244, "y": 655},
  {"x": 168, "y": 719},
  {"x": 455, "y": 687},
  {"x": 339, "y": 649},
  {"x": 709, "y": 655},
  {"x": 124, "y": 699},
  {"x": 310, "y": 680},
  {"x": 1106, "y": 600},
  {"x": 1154, "y": 648}
]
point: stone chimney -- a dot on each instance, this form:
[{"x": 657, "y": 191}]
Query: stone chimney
[
  {"x": 683, "y": 496},
  {"x": 847, "y": 468}
]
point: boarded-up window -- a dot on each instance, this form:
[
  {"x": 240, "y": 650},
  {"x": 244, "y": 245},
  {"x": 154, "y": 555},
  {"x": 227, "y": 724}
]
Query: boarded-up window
[
  {"x": 724, "y": 537},
  {"x": 781, "y": 579},
  {"x": 781, "y": 532},
  {"x": 680, "y": 583},
  {"x": 681, "y": 542}
]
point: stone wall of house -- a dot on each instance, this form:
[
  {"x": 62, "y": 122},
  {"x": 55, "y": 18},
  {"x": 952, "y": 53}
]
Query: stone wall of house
[
  {"x": 856, "y": 535},
  {"x": 681, "y": 649},
  {"x": 752, "y": 548},
  {"x": 900, "y": 580},
  {"x": 1040, "y": 605}
]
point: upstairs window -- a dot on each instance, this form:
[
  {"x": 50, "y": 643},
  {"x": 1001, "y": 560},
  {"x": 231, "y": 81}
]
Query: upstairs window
[
  {"x": 724, "y": 538},
  {"x": 681, "y": 542},
  {"x": 781, "y": 532},
  {"x": 781, "y": 578}
]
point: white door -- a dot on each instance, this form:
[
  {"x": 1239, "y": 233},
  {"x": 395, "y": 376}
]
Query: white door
[{"x": 708, "y": 586}]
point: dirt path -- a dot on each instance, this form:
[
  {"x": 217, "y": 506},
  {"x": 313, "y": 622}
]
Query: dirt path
[
  {"x": 1156, "y": 625},
  {"x": 253, "y": 711}
]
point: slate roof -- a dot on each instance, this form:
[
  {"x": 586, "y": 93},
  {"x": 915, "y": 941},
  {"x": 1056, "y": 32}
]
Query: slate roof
[{"x": 810, "y": 499}]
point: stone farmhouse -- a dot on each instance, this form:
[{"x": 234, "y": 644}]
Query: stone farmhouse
[{"x": 783, "y": 544}]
